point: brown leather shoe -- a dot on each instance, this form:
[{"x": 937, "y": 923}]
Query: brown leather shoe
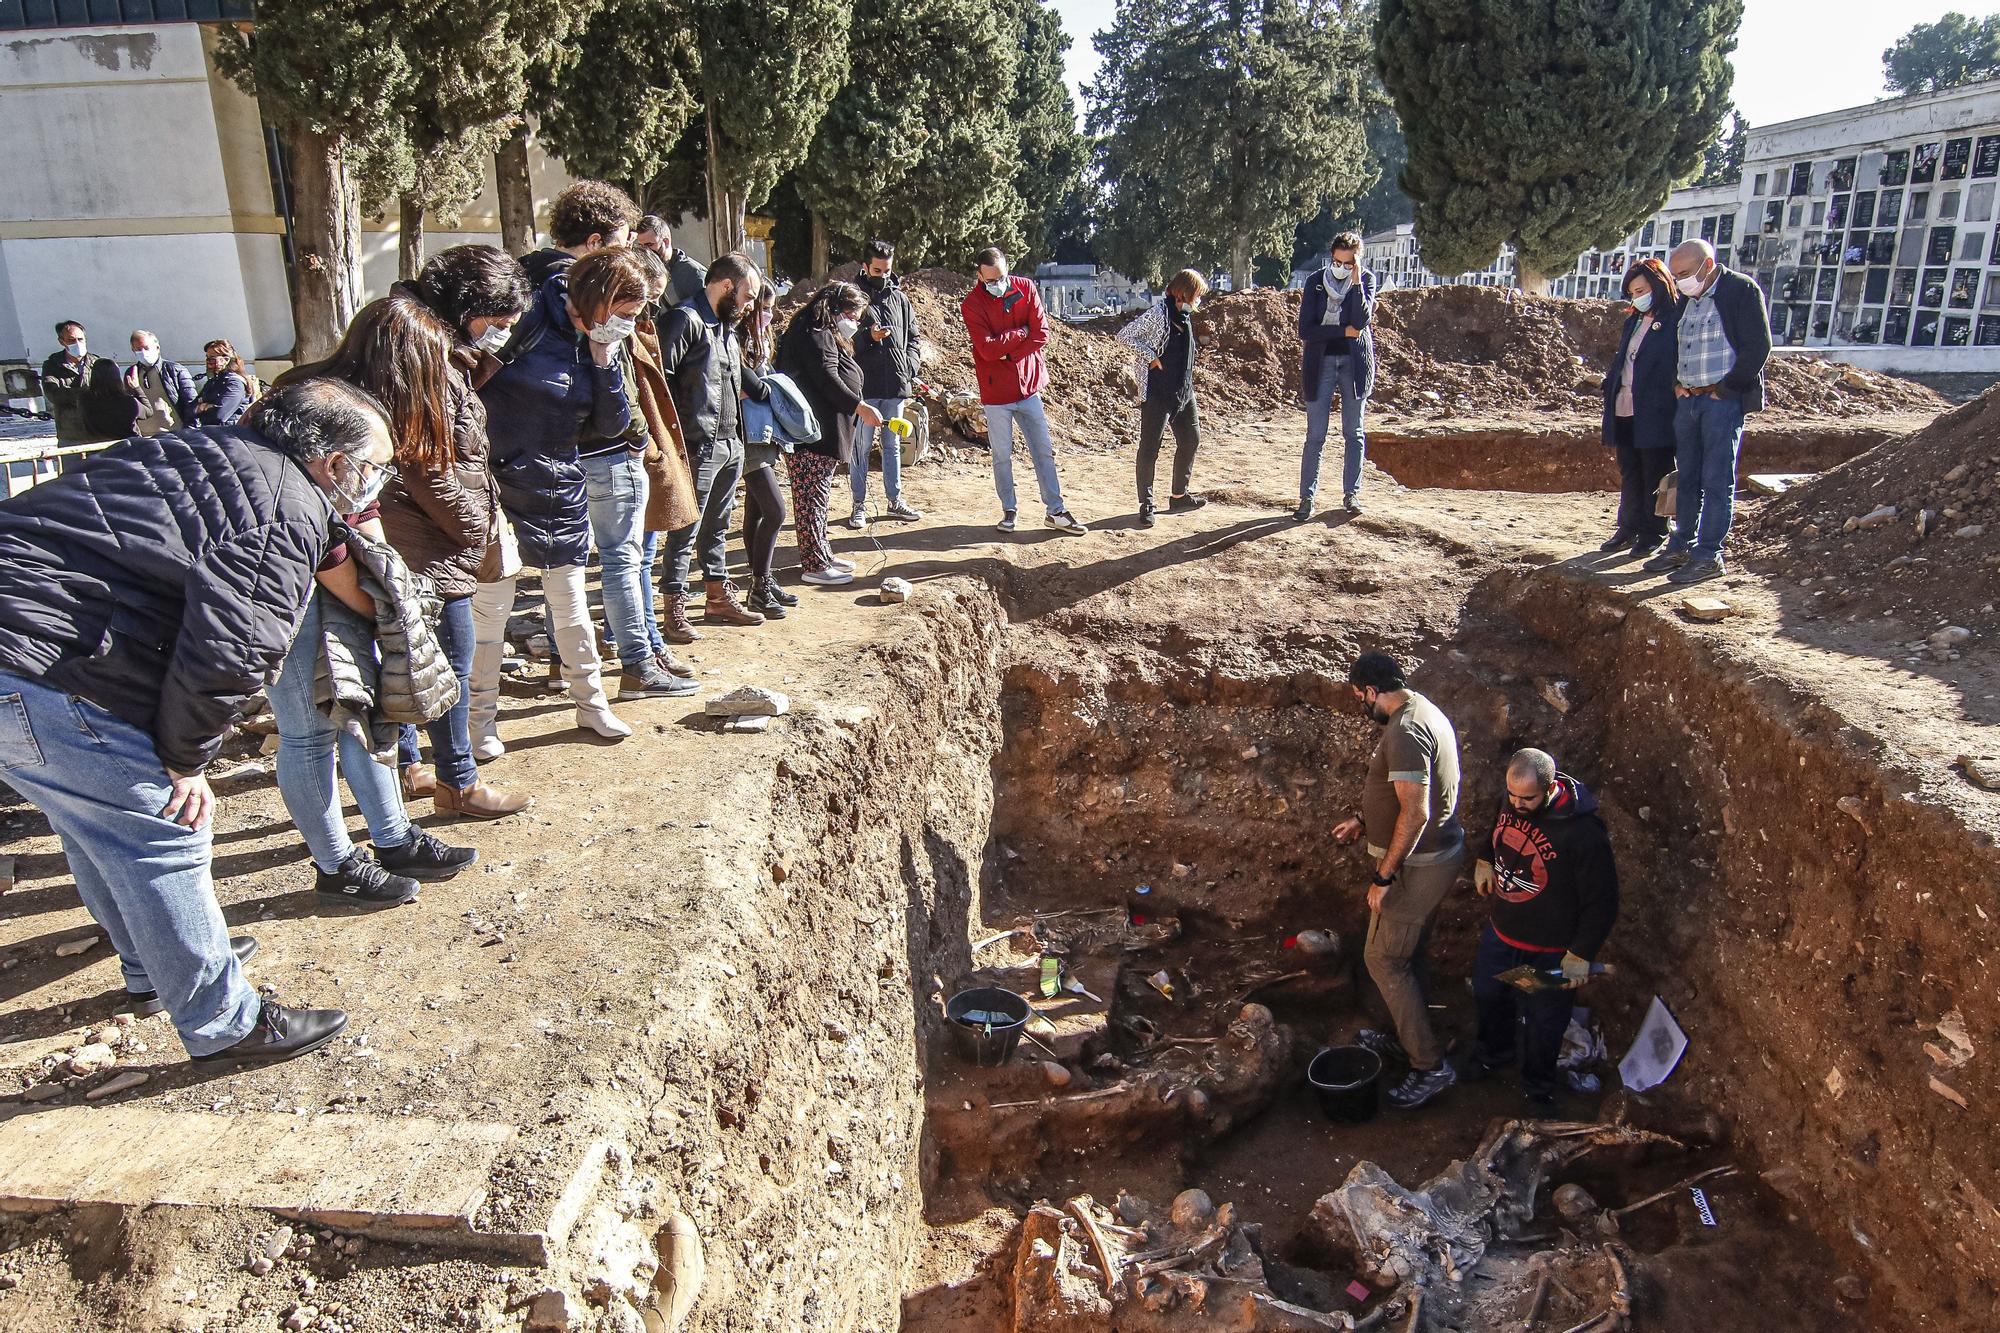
[
  {"x": 673, "y": 666},
  {"x": 724, "y": 609},
  {"x": 419, "y": 780},
  {"x": 677, "y": 629},
  {"x": 479, "y": 801}
]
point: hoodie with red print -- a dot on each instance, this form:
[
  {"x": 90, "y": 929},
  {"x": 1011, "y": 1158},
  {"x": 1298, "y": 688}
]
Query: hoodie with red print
[{"x": 1555, "y": 885}]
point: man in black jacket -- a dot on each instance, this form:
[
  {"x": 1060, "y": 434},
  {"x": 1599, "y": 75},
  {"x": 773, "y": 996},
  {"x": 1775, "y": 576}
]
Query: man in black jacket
[
  {"x": 86, "y": 394},
  {"x": 685, "y": 277},
  {"x": 886, "y": 349},
  {"x": 702, "y": 358},
  {"x": 1724, "y": 340},
  {"x": 1547, "y": 866},
  {"x": 144, "y": 599}
]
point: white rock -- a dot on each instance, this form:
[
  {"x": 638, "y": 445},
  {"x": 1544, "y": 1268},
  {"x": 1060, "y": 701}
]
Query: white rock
[
  {"x": 1876, "y": 517},
  {"x": 116, "y": 1084},
  {"x": 1950, "y": 636},
  {"x": 743, "y": 726},
  {"x": 749, "y": 701},
  {"x": 280, "y": 1241},
  {"x": 71, "y": 948},
  {"x": 1971, "y": 530},
  {"x": 260, "y": 1266},
  {"x": 91, "y": 1058},
  {"x": 896, "y": 590}
]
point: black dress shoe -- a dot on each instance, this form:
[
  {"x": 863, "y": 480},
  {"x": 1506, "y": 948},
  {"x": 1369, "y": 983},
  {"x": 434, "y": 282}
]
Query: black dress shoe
[
  {"x": 282, "y": 1033},
  {"x": 360, "y": 882},
  {"x": 1182, "y": 504},
  {"x": 424, "y": 858},
  {"x": 146, "y": 1003},
  {"x": 1622, "y": 537}
]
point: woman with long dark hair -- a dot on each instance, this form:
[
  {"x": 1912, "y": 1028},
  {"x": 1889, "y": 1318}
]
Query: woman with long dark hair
[
  {"x": 441, "y": 513},
  {"x": 763, "y": 499},
  {"x": 560, "y": 380},
  {"x": 817, "y": 352},
  {"x": 400, "y": 352},
  {"x": 1639, "y": 405}
]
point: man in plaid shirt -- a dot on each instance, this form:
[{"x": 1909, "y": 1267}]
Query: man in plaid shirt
[{"x": 1725, "y": 338}]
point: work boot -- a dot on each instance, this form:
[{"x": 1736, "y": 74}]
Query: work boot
[
  {"x": 677, "y": 629},
  {"x": 776, "y": 591},
  {"x": 360, "y": 882},
  {"x": 479, "y": 801},
  {"x": 423, "y": 857},
  {"x": 281, "y": 1033},
  {"x": 764, "y": 600},
  {"x": 419, "y": 781},
  {"x": 672, "y": 665},
  {"x": 722, "y": 607},
  {"x": 649, "y": 680},
  {"x": 146, "y": 1003},
  {"x": 1419, "y": 1086}
]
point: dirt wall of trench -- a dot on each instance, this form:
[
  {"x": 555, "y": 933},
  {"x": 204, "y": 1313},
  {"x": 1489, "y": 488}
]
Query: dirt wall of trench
[{"x": 1808, "y": 951}]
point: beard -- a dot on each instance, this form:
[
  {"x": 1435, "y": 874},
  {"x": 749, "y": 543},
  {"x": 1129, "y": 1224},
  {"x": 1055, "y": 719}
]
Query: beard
[{"x": 730, "y": 310}]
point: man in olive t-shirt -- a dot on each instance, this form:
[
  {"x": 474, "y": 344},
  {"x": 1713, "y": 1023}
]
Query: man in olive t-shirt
[{"x": 1409, "y": 813}]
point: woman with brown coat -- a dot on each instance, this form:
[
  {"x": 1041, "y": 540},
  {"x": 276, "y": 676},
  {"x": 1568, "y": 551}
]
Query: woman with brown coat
[{"x": 670, "y": 497}]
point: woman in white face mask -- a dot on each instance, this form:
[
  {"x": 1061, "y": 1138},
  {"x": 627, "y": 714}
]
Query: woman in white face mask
[
  {"x": 1639, "y": 406},
  {"x": 562, "y": 382},
  {"x": 817, "y": 352}
]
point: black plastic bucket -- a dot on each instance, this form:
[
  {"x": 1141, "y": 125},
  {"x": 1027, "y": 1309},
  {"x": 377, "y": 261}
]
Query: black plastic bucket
[
  {"x": 1346, "y": 1081},
  {"x": 983, "y": 1042}
]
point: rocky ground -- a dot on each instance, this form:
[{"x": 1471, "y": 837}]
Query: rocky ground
[{"x": 716, "y": 951}]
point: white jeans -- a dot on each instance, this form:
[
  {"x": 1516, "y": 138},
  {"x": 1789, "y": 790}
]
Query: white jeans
[{"x": 569, "y": 626}]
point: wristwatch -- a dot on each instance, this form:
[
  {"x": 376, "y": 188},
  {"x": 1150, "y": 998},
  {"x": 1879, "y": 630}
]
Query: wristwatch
[{"x": 1382, "y": 883}]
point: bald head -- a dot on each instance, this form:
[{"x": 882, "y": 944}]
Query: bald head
[{"x": 1695, "y": 259}]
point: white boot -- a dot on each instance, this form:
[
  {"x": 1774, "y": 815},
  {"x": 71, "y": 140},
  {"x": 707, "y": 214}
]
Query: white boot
[
  {"x": 576, "y": 639},
  {"x": 492, "y": 603}
]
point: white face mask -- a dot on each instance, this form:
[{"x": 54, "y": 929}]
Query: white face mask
[
  {"x": 1643, "y": 302},
  {"x": 846, "y": 328},
  {"x": 149, "y": 356},
  {"x": 75, "y": 349},
  {"x": 351, "y": 497},
  {"x": 998, "y": 287},
  {"x": 615, "y": 328},
  {"x": 1339, "y": 272},
  {"x": 493, "y": 339},
  {"x": 1690, "y": 285}
]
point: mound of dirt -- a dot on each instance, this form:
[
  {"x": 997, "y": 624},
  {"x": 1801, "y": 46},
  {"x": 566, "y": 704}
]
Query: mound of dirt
[
  {"x": 1443, "y": 352},
  {"x": 1910, "y": 528}
]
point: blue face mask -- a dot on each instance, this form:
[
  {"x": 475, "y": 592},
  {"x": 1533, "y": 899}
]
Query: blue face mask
[{"x": 1643, "y": 302}]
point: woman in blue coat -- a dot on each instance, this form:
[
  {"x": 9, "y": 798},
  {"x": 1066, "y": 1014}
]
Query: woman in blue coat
[
  {"x": 559, "y": 377},
  {"x": 1639, "y": 405}
]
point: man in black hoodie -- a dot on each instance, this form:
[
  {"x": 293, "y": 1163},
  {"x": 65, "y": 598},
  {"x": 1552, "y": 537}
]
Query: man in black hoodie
[{"x": 1547, "y": 866}]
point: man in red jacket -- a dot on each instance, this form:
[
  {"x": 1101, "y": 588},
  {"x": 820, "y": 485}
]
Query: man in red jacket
[{"x": 1004, "y": 317}]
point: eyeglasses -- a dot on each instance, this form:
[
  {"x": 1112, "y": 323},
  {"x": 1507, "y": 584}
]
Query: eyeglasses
[{"x": 388, "y": 470}]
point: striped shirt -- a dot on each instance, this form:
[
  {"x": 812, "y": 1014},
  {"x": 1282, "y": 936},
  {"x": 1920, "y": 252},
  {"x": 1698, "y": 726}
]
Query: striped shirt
[{"x": 1705, "y": 353}]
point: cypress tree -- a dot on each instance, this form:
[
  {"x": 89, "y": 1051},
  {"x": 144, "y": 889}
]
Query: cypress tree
[
  {"x": 614, "y": 104},
  {"x": 1546, "y": 123},
  {"x": 1225, "y": 124},
  {"x": 1052, "y": 153}
]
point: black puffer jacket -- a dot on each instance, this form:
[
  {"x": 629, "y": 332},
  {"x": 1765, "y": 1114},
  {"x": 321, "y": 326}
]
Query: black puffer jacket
[
  {"x": 163, "y": 580},
  {"x": 889, "y": 364},
  {"x": 547, "y": 397},
  {"x": 706, "y": 373},
  {"x": 820, "y": 364}
]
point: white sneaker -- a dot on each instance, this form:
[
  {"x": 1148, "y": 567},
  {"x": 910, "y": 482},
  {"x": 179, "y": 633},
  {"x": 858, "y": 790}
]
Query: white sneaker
[
  {"x": 839, "y": 562},
  {"x": 1065, "y": 522},
  {"x": 1006, "y": 523},
  {"x": 904, "y": 512},
  {"x": 828, "y": 578},
  {"x": 488, "y": 747},
  {"x": 858, "y": 520},
  {"x": 600, "y": 719}
]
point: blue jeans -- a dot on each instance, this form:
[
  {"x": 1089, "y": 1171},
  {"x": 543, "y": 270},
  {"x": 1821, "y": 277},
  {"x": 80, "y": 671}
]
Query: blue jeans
[
  {"x": 145, "y": 879},
  {"x": 1336, "y": 375},
  {"x": 306, "y": 743},
  {"x": 1000, "y": 420},
  {"x": 892, "y": 455},
  {"x": 615, "y": 486},
  {"x": 451, "y": 738},
  {"x": 1547, "y": 1012},
  {"x": 1708, "y": 434},
  {"x": 649, "y": 557}
]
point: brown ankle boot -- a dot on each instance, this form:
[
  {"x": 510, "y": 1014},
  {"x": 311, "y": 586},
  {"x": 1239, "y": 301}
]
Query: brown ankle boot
[
  {"x": 478, "y": 801},
  {"x": 419, "y": 781},
  {"x": 672, "y": 665},
  {"x": 724, "y": 609},
  {"x": 677, "y": 629}
]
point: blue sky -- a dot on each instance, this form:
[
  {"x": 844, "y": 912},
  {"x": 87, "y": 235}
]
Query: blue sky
[{"x": 1793, "y": 57}]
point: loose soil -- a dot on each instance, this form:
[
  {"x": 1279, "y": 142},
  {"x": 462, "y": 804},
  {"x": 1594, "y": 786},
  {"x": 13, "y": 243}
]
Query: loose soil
[{"x": 724, "y": 955}]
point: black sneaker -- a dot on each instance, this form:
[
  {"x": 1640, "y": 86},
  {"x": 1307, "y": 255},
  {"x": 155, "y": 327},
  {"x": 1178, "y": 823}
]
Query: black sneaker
[
  {"x": 1384, "y": 1044},
  {"x": 282, "y": 1033},
  {"x": 1351, "y": 503},
  {"x": 1303, "y": 513},
  {"x": 1419, "y": 1086},
  {"x": 425, "y": 858},
  {"x": 360, "y": 882},
  {"x": 1670, "y": 557},
  {"x": 1184, "y": 504},
  {"x": 146, "y": 1003},
  {"x": 1145, "y": 516}
]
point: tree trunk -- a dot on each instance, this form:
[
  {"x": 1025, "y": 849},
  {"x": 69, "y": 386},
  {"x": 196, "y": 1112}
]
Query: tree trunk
[
  {"x": 326, "y": 243},
  {"x": 517, "y": 194},
  {"x": 1239, "y": 264},
  {"x": 822, "y": 246},
  {"x": 1528, "y": 280},
  {"x": 718, "y": 198},
  {"x": 410, "y": 240}
]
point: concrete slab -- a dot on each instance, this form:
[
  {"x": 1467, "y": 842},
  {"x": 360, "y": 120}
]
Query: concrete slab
[{"x": 1775, "y": 483}]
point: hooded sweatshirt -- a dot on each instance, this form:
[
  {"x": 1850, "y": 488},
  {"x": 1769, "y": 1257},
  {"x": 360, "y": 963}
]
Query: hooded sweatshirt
[{"x": 1556, "y": 887}]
